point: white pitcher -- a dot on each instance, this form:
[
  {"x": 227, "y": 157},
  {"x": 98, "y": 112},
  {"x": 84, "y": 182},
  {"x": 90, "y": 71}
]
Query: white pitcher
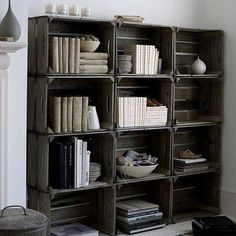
[{"x": 93, "y": 121}]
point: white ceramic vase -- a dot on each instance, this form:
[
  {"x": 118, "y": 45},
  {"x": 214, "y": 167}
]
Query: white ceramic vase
[
  {"x": 198, "y": 67},
  {"x": 93, "y": 121}
]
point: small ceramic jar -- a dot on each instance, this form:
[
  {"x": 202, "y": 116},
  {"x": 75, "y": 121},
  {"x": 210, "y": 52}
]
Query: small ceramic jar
[
  {"x": 74, "y": 10},
  {"x": 62, "y": 9},
  {"x": 50, "y": 8},
  {"x": 86, "y": 12}
]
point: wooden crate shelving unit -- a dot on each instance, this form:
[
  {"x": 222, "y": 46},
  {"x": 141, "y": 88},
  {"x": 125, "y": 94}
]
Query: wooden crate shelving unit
[{"x": 194, "y": 117}]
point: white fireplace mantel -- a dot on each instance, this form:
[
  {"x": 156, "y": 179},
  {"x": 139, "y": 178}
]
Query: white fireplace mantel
[{"x": 5, "y": 49}]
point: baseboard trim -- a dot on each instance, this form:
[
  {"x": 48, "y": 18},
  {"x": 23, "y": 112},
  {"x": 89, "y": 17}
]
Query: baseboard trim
[{"x": 228, "y": 203}]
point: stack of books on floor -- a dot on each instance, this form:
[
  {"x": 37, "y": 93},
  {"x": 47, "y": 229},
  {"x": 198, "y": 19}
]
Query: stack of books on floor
[
  {"x": 68, "y": 114},
  {"x": 134, "y": 216},
  {"x": 93, "y": 63},
  {"x": 190, "y": 165}
]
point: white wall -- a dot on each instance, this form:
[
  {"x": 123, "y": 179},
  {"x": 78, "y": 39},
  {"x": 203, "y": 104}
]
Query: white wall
[
  {"x": 17, "y": 88},
  {"x": 167, "y": 12},
  {"x": 221, "y": 14}
]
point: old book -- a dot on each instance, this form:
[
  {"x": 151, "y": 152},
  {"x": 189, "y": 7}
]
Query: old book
[
  {"x": 54, "y": 113},
  {"x": 64, "y": 114},
  {"x": 54, "y": 54},
  {"x": 77, "y": 55},
  {"x": 60, "y": 54},
  {"x": 58, "y": 165},
  {"x": 85, "y": 113},
  {"x": 70, "y": 114},
  {"x": 79, "y": 162},
  {"x": 94, "y": 55},
  {"x": 134, "y": 52},
  {"x": 93, "y": 69},
  {"x": 65, "y": 56},
  {"x": 93, "y": 62},
  {"x": 77, "y": 114},
  {"x": 72, "y": 55},
  {"x": 70, "y": 165},
  {"x": 84, "y": 163}
]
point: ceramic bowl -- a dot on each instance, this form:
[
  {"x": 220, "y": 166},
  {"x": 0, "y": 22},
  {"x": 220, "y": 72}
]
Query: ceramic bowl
[
  {"x": 89, "y": 46},
  {"x": 136, "y": 171}
]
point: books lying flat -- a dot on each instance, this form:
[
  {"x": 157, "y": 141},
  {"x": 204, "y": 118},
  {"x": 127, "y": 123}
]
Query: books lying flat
[
  {"x": 138, "y": 225},
  {"x": 136, "y": 206},
  {"x": 94, "y": 55},
  {"x": 73, "y": 229},
  {"x": 93, "y": 69},
  {"x": 188, "y": 161},
  {"x": 93, "y": 62},
  {"x": 139, "y": 219},
  {"x": 134, "y": 231}
]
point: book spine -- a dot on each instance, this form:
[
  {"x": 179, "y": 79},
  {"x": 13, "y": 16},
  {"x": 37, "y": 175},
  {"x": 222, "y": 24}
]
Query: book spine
[
  {"x": 60, "y": 55},
  {"x": 54, "y": 113},
  {"x": 87, "y": 168},
  {"x": 55, "y": 55},
  {"x": 77, "y": 114},
  {"x": 85, "y": 102},
  {"x": 69, "y": 114},
  {"x": 64, "y": 114},
  {"x": 64, "y": 172},
  {"x": 77, "y": 55},
  {"x": 65, "y": 52},
  {"x": 72, "y": 55},
  {"x": 70, "y": 165},
  {"x": 79, "y": 162},
  {"x": 84, "y": 157}
]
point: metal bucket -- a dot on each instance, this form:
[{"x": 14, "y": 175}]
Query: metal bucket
[{"x": 22, "y": 222}]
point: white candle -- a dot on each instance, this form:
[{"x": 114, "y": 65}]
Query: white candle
[
  {"x": 74, "y": 10},
  {"x": 86, "y": 12},
  {"x": 50, "y": 8},
  {"x": 62, "y": 9}
]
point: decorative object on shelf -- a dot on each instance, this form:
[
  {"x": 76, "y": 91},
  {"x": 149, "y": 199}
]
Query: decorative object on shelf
[
  {"x": 189, "y": 154},
  {"x": 75, "y": 10},
  {"x": 198, "y": 67},
  {"x": 93, "y": 121},
  {"x": 86, "y": 12},
  {"x": 94, "y": 171},
  {"x": 89, "y": 43},
  {"x": 126, "y": 18},
  {"x": 51, "y": 8},
  {"x": 124, "y": 63},
  {"x": 62, "y": 9},
  {"x": 10, "y": 27}
]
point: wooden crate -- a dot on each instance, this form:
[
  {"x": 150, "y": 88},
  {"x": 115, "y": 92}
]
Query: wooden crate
[
  {"x": 42, "y": 28},
  {"x": 200, "y": 140},
  {"x": 196, "y": 195},
  {"x": 197, "y": 100},
  {"x": 144, "y": 34},
  {"x": 100, "y": 91},
  {"x": 190, "y": 43},
  {"x": 155, "y": 143},
  {"x": 94, "y": 208}
]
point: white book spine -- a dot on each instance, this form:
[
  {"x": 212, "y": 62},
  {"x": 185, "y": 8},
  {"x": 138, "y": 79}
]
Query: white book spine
[
  {"x": 79, "y": 162},
  {"x": 87, "y": 168},
  {"x": 84, "y": 157},
  {"x": 120, "y": 112},
  {"x": 65, "y": 52},
  {"x": 72, "y": 56},
  {"x": 77, "y": 55},
  {"x": 144, "y": 107},
  {"x": 55, "y": 54},
  {"x": 126, "y": 112},
  {"x": 60, "y": 55}
]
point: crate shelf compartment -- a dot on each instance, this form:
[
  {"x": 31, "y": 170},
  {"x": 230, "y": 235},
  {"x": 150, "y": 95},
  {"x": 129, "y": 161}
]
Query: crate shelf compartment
[
  {"x": 161, "y": 90},
  {"x": 207, "y": 44},
  {"x": 197, "y": 100},
  {"x": 155, "y": 191},
  {"x": 92, "y": 207},
  {"x": 100, "y": 145},
  {"x": 153, "y": 142},
  {"x": 159, "y": 36},
  {"x": 42, "y": 28},
  {"x": 195, "y": 195},
  {"x": 99, "y": 91},
  {"x": 200, "y": 140}
]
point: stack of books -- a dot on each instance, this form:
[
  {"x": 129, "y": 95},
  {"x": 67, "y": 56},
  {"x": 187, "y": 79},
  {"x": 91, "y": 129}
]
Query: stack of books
[
  {"x": 69, "y": 164},
  {"x": 145, "y": 59},
  {"x": 65, "y": 54},
  {"x": 190, "y": 165},
  {"x": 68, "y": 114},
  {"x": 93, "y": 63},
  {"x": 134, "y": 216},
  {"x": 156, "y": 116}
]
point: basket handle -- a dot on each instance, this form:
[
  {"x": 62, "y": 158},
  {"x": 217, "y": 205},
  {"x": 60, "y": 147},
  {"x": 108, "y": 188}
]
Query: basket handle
[{"x": 14, "y": 206}]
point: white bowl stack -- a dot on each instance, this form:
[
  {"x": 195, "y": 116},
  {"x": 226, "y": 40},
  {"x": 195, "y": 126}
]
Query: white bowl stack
[
  {"x": 124, "y": 63},
  {"x": 94, "y": 172}
]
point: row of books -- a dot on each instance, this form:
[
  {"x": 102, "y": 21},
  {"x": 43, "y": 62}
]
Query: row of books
[
  {"x": 190, "y": 165},
  {"x": 65, "y": 54},
  {"x": 65, "y": 57},
  {"x": 145, "y": 58},
  {"x": 69, "y": 164},
  {"x": 134, "y": 216},
  {"x": 133, "y": 111},
  {"x": 68, "y": 114}
]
